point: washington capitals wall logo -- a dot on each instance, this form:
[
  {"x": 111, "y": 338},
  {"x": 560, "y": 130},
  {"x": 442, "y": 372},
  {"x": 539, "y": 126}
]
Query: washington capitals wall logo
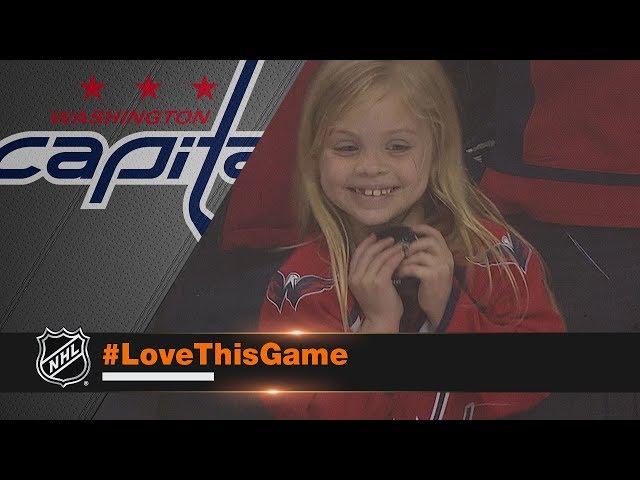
[
  {"x": 63, "y": 356},
  {"x": 191, "y": 158},
  {"x": 294, "y": 288}
]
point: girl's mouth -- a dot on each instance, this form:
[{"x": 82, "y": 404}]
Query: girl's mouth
[{"x": 373, "y": 192}]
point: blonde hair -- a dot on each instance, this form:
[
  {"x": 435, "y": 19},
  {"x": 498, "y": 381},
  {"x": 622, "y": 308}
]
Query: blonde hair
[{"x": 452, "y": 203}]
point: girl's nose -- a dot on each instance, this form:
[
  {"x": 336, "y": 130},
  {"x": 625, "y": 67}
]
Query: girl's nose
[{"x": 370, "y": 165}]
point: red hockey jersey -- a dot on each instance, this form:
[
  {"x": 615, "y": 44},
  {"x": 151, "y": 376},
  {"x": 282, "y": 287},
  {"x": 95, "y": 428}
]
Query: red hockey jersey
[{"x": 301, "y": 297}]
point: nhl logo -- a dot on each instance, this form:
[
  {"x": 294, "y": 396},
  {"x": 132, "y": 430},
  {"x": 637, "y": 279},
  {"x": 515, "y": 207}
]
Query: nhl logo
[{"x": 63, "y": 357}]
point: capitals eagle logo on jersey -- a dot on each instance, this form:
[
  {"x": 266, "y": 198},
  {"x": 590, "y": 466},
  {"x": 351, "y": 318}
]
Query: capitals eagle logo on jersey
[
  {"x": 515, "y": 250},
  {"x": 294, "y": 287}
]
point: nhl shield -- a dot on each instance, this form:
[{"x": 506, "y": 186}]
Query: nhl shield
[{"x": 63, "y": 356}]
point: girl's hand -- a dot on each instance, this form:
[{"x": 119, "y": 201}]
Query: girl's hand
[
  {"x": 429, "y": 260},
  {"x": 370, "y": 272}
]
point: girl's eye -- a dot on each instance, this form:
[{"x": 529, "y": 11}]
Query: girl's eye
[
  {"x": 398, "y": 147},
  {"x": 345, "y": 148}
]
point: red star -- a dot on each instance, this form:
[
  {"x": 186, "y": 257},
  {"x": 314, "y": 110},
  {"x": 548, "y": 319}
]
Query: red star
[
  {"x": 148, "y": 87},
  {"x": 204, "y": 87},
  {"x": 92, "y": 88}
]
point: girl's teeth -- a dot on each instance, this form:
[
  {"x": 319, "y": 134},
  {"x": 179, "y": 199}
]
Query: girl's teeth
[{"x": 374, "y": 193}]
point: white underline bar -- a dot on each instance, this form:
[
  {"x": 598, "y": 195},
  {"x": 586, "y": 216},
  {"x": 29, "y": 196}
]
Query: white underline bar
[{"x": 157, "y": 377}]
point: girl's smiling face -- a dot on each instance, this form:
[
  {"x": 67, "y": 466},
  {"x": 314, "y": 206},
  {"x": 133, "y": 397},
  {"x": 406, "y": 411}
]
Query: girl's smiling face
[{"x": 376, "y": 161}]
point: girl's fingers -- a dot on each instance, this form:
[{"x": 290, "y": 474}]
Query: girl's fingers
[
  {"x": 416, "y": 271},
  {"x": 424, "y": 251},
  {"x": 429, "y": 244},
  {"x": 390, "y": 265},
  {"x": 368, "y": 253},
  {"x": 359, "y": 249},
  {"x": 377, "y": 262},
  {"x": 422, "y": 258},
  {"x": 429, "y": 231}
]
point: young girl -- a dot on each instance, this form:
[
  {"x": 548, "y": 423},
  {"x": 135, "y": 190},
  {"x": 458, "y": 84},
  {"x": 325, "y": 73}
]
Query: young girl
[{"x": 380, "y": 144}]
